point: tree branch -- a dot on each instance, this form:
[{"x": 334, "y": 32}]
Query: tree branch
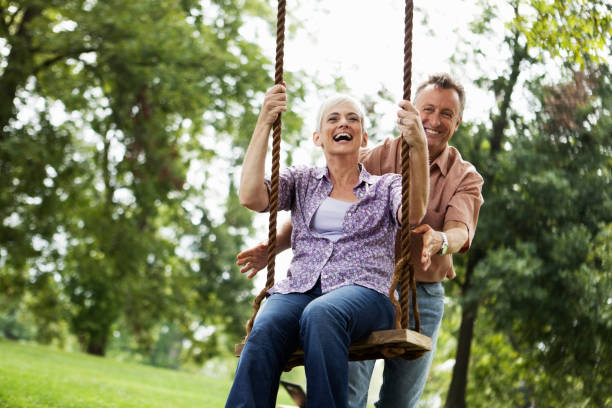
[
  {"x": 28, "y": 15},
  {"x": 500, "y": 122},
  {"x": 14, "y": 16},
  {"x": 71, "y": 53},
  {"x": 4, "y": 26}
]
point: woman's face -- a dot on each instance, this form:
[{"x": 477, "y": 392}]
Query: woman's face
[{"x": 341, "y": 129}]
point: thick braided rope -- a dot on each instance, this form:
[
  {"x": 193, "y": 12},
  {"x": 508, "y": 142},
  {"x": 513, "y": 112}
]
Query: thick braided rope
[
  {"x": 390, "y": 351},
  {"x": 406, "y": 268},
  {"x": 276, "y": 142},
  {"x": 399, "y": 266}
]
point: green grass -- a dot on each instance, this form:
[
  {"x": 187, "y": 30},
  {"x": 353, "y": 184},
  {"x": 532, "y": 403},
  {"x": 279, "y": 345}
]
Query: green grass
[{"x": 35, "y": 377}]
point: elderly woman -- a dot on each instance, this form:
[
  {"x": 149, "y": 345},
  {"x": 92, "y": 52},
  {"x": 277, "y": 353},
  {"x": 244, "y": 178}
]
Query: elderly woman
[{"x": 344, "y": 225}]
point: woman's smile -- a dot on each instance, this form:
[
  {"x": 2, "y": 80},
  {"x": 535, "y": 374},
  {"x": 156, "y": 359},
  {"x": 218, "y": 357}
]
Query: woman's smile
[{"x": 343, "y": 137}]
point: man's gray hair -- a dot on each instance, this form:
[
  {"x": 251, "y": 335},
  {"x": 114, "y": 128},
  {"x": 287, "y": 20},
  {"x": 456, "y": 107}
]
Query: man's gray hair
[{"x": 445, "y": 81}]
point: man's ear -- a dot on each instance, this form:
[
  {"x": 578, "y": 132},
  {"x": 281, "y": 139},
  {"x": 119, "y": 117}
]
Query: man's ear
[
  {"x": 364, "y": 139},
  {"x": 458, "y": 123},
  {"x": 316, "y": 139}
]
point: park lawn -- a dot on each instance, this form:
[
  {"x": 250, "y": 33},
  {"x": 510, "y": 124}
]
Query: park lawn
[{"x": 34, "y": 376}]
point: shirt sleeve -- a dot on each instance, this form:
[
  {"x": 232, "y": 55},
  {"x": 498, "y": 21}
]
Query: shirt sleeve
[
  {"x": 465, "y": 204},
  {"x": 286, "y": 188},
  {"x": 395, "y": 198},
  {"x": 383, "y": 158},
  {"x": 370, "y": 158}
]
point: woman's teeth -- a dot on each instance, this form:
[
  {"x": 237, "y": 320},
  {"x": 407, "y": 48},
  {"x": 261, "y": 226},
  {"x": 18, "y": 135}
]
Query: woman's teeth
[{"x": 342, "y": 136}]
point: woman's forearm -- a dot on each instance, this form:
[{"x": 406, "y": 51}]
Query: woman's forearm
[{"x": 253, "y": 193}]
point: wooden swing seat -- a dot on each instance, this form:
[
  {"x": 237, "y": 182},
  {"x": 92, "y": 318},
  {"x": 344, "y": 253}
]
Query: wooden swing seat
[{"x": 383, "y": 343}]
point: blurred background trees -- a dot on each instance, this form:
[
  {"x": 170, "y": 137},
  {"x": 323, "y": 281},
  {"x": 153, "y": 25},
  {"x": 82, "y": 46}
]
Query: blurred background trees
[
  {"x": 112, "y": 114},
  {"x": 529, "y": 283}
]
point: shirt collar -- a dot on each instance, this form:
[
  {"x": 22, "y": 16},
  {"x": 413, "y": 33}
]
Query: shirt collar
[
  {"x": 364, "y": 176},
  {"x": 442, "y": 161}
]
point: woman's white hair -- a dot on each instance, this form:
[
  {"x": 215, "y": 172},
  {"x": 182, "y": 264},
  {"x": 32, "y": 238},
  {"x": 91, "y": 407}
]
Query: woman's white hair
[{"x": 335, "y": 100}]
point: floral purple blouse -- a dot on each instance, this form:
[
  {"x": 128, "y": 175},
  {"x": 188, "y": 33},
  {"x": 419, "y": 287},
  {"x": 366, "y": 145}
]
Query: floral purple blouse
[{"x": 364, "y": 255}]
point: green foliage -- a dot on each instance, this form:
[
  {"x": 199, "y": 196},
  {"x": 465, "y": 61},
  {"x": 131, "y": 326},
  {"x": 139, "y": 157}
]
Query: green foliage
[
  {"x": 111, "y": 105},
  {"x": 559, "y": 345},
  {"x": 544, "y": 282},
  {"x": 498, "y": 372},
  {"x": 547, "y": 199},
  {"x": 577, "y": 31}
]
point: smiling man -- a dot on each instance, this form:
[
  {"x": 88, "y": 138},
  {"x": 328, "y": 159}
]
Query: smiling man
[{"x": 448, "y": 227}]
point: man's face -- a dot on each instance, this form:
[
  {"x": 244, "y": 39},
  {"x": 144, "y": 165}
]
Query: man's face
[{"x": 439, "y": 109}]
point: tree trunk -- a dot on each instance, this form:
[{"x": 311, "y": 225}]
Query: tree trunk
[
  {"x": 457, "y": 390},
  {"x": 19, "y": 66},
  {"x": 97, "y": 345}
]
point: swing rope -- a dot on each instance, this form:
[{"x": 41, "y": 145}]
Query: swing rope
[
  {"x": 276, "y": 142},
  {"x": 403, "y": 273},
  {"x": 406, "y": 271}
]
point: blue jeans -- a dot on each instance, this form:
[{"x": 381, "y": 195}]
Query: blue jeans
[
  {"x": 403, "y": 380},
  {"x": 324, "y": 325}
]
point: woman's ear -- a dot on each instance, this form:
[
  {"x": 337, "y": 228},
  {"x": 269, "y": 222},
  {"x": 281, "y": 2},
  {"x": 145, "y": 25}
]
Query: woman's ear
[
  {"x": 364, "y": 139},
  {"x": 316, "y": 139}
]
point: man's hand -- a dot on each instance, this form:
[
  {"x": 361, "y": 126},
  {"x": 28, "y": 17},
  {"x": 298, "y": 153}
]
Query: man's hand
[
  {"x": 254, "y": 259},
  {"x": 410, "y": 125},
  {"x": 431, "y": 243}
]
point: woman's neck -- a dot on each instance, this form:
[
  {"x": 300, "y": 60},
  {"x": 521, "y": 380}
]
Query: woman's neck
[{"x": 343, "y": 171}]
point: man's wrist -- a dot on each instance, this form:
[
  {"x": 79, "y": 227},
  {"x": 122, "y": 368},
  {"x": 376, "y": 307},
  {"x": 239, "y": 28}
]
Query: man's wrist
[
  {"x": 444, "y": 247},
  {"x": 417, "y": 147}
]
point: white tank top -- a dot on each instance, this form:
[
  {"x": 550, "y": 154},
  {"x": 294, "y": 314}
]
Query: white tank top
[{"x": 327, "y": 220}]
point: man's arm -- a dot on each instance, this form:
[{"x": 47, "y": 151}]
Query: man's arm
[
  {"x": 409, "y": 123},
  {"x": 419, "y": 184},
  {"x": 456, "y": 234},
  {"x": 256, "y": 258},
  {"x": 462, "y": 215}
]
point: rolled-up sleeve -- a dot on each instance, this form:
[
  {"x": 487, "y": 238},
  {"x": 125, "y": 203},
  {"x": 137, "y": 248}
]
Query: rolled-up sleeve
[{"x": 464, "y": 206}]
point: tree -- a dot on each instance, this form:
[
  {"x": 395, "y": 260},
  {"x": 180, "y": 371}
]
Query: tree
[
  {"x": 494, "y": 149},
  {"x": 557, "y": 251},
  {"x": 103, "y": 200}
]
